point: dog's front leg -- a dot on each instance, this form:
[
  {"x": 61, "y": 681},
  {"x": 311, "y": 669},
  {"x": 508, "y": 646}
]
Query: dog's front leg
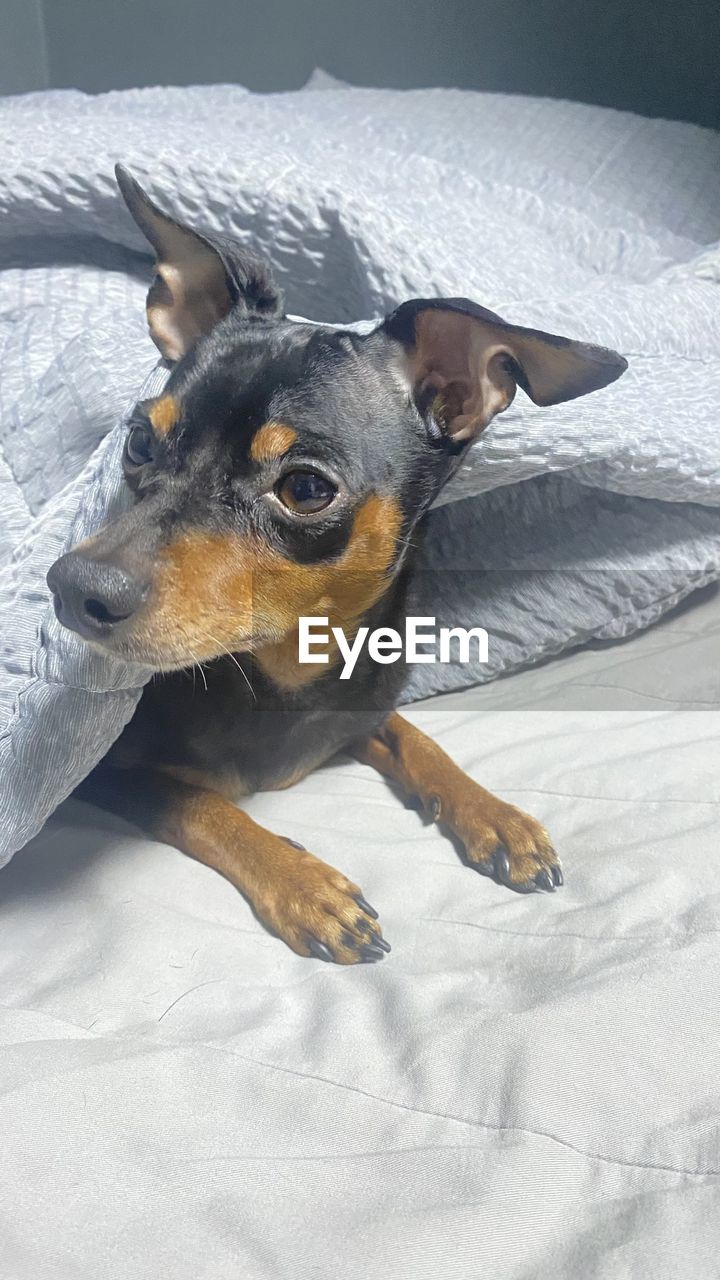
[
  {"x": 499, "y": 840},
  {"x": 314, "y": 908}
]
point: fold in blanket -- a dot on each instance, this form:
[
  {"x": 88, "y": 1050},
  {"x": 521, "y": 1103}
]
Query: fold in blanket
[{"x": 585, "y": 520}]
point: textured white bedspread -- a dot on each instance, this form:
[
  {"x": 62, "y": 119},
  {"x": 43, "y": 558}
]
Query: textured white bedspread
[{"x": 527, "y": 1087}]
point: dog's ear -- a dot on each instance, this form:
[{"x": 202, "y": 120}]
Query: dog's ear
[
  {"x": 198, "y": 279},
  {"x": 465, "y": 363}
]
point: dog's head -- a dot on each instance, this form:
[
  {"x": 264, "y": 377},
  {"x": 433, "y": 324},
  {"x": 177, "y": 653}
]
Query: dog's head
[{"x": 284, "y": 466}]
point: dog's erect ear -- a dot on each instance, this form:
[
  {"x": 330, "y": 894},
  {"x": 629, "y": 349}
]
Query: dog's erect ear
[
  {"x": 465, "y": 363},
  {"x": 198, "y": 279}
]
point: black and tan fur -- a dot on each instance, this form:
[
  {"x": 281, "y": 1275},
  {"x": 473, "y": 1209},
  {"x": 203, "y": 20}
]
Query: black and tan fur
[{"x": 280, "y": 474}]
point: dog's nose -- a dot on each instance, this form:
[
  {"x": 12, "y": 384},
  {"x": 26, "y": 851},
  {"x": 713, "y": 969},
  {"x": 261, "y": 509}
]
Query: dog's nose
[{"x": 92, "y": 596}]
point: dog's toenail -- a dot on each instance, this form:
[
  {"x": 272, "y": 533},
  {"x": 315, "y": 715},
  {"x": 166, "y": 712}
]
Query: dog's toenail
[
  {"x": 365, "y": 906},
  {"x": 371, "y": 953},
  {"x": 545, "y": 881},
  {"x": 502, "y": 867},
  {"x": 320, "y": 951}
]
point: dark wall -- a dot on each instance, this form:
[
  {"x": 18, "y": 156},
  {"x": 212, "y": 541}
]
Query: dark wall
[
  {"x": 23, "y": 62},
  {"x": 658, "y": 57}
]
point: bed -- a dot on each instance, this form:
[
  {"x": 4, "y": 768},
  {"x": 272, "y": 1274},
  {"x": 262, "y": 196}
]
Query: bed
[{"x": 527, "y": 1086}]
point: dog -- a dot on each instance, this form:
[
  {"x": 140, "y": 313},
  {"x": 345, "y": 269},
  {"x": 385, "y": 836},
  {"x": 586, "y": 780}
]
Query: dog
[{"x": 281, "y": 474}]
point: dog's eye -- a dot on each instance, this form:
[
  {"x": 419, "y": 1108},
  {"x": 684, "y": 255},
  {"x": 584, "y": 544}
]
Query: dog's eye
[
  {"x": 305, "y": 492},
  {"x": 139, "y": 446}
]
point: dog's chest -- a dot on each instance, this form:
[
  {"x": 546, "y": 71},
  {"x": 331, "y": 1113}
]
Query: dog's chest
[{"x": 236, "y": 734}]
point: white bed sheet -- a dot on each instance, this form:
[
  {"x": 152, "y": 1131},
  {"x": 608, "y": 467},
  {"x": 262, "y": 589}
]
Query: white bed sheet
[{"x": 526, "y": 1087}]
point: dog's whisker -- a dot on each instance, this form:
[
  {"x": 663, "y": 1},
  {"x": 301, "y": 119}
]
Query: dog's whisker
[
  {"x": 407, "y": 542},
  {"x": 243, "y": 673},
  {"x": 196, "y": 665}
]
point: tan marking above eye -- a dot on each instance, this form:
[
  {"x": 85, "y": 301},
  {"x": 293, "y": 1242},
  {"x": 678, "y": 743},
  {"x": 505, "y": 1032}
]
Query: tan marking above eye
[
  {"x": 164, "y": 414},
  {"x": 272, "y": 441}
]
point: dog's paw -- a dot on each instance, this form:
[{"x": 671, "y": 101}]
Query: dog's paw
[
  {"x": 513, "y": 848},
  {"x": 318, "y": 912}
]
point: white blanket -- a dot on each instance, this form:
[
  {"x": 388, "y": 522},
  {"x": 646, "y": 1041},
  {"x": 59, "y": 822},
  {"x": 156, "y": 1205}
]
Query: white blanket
[{"x": 526, "y": 1087}]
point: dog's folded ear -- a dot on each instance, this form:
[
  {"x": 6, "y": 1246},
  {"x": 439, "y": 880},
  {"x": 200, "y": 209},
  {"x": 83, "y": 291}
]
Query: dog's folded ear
[
  {"x": 199, "y": 278},
  {"x": 465, "y": 363}
]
